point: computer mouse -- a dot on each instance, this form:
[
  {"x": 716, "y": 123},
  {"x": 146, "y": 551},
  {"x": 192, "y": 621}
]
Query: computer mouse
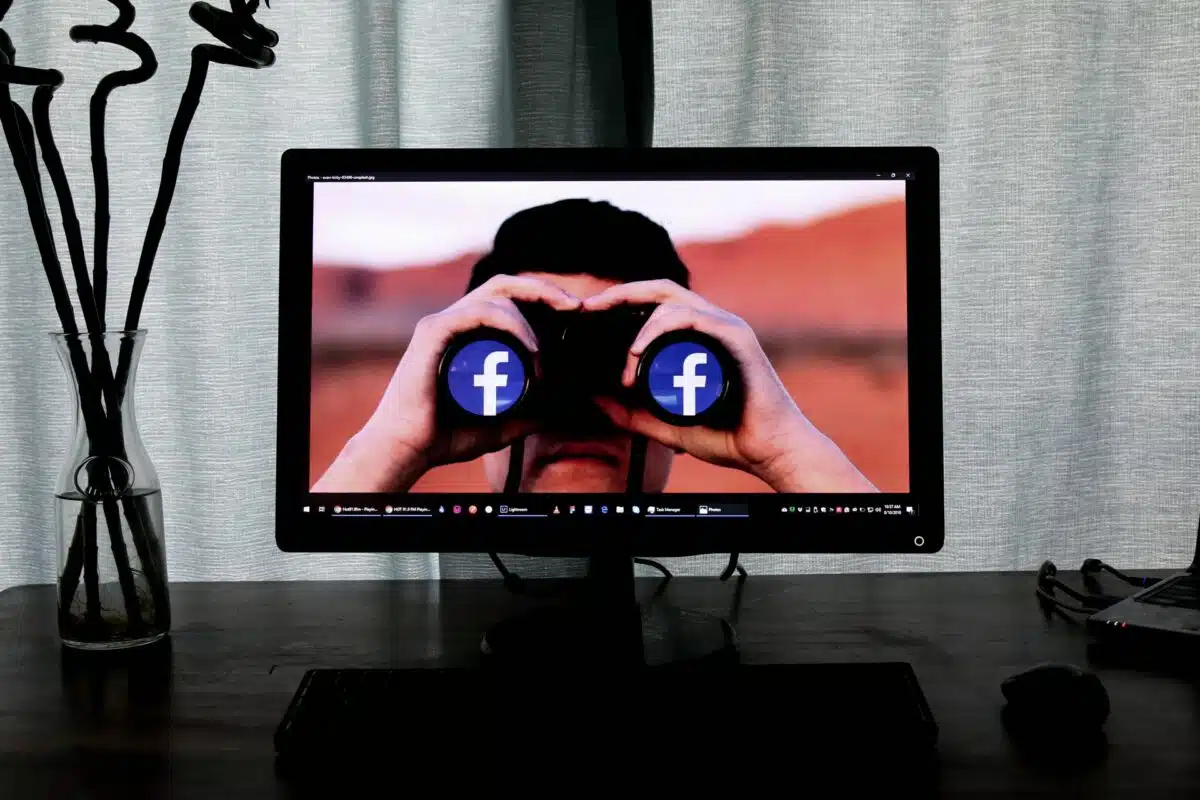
[{"x": 1056, "y": 697}]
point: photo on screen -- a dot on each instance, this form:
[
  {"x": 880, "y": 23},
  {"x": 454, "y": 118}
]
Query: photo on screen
[{"x": 815, "y": 269}]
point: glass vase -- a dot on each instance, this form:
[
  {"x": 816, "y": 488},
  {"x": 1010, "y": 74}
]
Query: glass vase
[{"x": 112, "y": 568}]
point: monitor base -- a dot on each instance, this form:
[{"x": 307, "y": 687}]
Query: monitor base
[{"x": 605, "y": 626}]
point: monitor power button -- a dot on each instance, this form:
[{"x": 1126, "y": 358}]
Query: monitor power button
[{"x": 919, "y": 541}]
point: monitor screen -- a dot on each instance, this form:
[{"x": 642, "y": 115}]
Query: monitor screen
[{"x": 540, "y": 360}]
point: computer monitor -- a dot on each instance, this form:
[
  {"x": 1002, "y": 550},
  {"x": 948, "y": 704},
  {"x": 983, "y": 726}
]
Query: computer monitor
[{"x": 610, "y": 352}]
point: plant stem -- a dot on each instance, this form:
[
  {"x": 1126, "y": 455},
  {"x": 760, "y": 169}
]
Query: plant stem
[
  {"x": 19, "y": 133},
  {"x": 166, "y": 188},
  {"x": 91, "y": 570},
  {"x": 149, "y": 549},
  {"x": 248, "y": 45},
  {"x": 42, "y": 97},
  {"x": 69, "y": 580},
  {"x": 133, "y": 606},
  {"x": 117, "y": 33},
  {"x": 188, "y": 104}
]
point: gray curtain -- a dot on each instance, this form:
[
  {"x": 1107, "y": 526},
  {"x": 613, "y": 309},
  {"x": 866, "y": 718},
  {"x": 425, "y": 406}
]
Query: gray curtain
[{"x": 1070, "y": 142}]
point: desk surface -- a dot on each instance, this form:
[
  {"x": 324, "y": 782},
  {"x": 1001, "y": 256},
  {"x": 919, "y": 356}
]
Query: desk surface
[{"x": 199, "y": 723}]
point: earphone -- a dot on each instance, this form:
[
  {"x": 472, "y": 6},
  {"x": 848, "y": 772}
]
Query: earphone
[
  {"x": 1092, "y": 566},
  {"x": 1048, "y": 582}
]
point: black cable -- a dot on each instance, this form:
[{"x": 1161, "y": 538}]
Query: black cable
[
  {"x": 649, "y": 562},
  {"x": 635, "y": 477},
  {"x": 660, "y": 589},
  {"x": 735, "y": 609},
  {"x": 512, "y": 581},
  {"x": 516, "y": 467},
  {"x": 512, "y": 485},
  {"x": 732, "y": 567}
]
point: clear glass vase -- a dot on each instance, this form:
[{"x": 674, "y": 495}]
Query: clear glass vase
[{"x": 112, "y": 567}]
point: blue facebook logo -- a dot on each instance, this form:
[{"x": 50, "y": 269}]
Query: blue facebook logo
[
  {"x": 486, "y": 378},
  {"x": 685, "y": 379}
]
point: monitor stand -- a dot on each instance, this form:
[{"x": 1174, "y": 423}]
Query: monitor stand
[{"x": 603, "y": 625}]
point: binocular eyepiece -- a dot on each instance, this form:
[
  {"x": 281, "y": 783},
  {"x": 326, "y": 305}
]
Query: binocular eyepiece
[{"x": 684, "y": 377}]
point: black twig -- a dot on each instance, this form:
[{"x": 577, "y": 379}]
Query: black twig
[
  {"x": 42, "y": 97},
  {"x": 91, "y": 569},
  {"x": 19, "y": 133},
  {"x": 133, "y": 606},
  {"x": 117, "y": 33},
  {"x": 74, "y": 568},
  {"x": 248, "y": 45}
]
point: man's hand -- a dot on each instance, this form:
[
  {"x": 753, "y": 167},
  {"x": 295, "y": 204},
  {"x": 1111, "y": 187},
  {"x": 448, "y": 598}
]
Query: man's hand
[
  {"x": 774, "y": 440},
  {"x": 402, "y": 441}
]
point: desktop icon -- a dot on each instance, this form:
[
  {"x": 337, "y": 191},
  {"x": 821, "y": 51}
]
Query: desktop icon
[
  {"x": 458, "y": 509},
  {"x": 650, "y": 510},
  {"x": 824, "y": 509},
  {"x": 441, "y": 509},
  {"x": 572, "y": 509},
  {"x": 587, "y": 509},
  {"x": 487, "y": 509},
  {"x": 556, "y": 509},
  {"x": 337, "y": 509},
  {"x": 503, "y": 509},
  {"x": 839, "y": 509},
  {"x": 473, "y": 509},
  {"x": 387, "y": 509},
  {"x": 603, "y": 509},
  {"x": 321, "y": 509},
  {"x": 620, "y": 509},
  {"x": 784, "y": 509},
  {"x": 636, "y": 510},
  {"x": 306, "y": 509},
  {"x": 792, "y": 508},
  {"x": 703, "y": 509}
]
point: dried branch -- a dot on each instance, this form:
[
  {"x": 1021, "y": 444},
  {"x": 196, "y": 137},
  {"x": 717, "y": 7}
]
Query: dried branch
[
  {"x": 117, "y": 33},
  {"x": 248, "y": 44}
]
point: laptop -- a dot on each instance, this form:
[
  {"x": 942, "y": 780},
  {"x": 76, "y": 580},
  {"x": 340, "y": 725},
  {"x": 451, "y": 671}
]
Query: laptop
[{"x": 1171, "y": 606}]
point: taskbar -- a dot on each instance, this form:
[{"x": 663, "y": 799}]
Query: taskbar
[{"x": 556, "y": 508}]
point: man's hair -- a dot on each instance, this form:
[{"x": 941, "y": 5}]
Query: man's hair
[{"x": 582, "y": 237}]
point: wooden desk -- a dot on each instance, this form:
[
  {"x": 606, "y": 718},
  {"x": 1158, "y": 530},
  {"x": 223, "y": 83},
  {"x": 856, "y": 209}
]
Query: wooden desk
[{"x": 199, "y": 722}]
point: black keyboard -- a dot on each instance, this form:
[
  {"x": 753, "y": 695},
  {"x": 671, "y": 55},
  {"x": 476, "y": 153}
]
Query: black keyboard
[
  {"x": 1179, "y": 592},
  {"x": 403, "y": 718}
]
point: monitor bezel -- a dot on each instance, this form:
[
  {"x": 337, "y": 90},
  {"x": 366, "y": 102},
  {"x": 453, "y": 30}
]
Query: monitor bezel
[{"x": 297, "y": 531}]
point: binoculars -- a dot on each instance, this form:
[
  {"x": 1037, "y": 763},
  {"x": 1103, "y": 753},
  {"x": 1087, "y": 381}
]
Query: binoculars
[{"x": 684, "y": 377}]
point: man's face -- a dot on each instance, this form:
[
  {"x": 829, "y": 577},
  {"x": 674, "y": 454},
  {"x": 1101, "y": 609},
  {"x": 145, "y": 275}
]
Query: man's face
[{"x": 598, "y": 463}]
